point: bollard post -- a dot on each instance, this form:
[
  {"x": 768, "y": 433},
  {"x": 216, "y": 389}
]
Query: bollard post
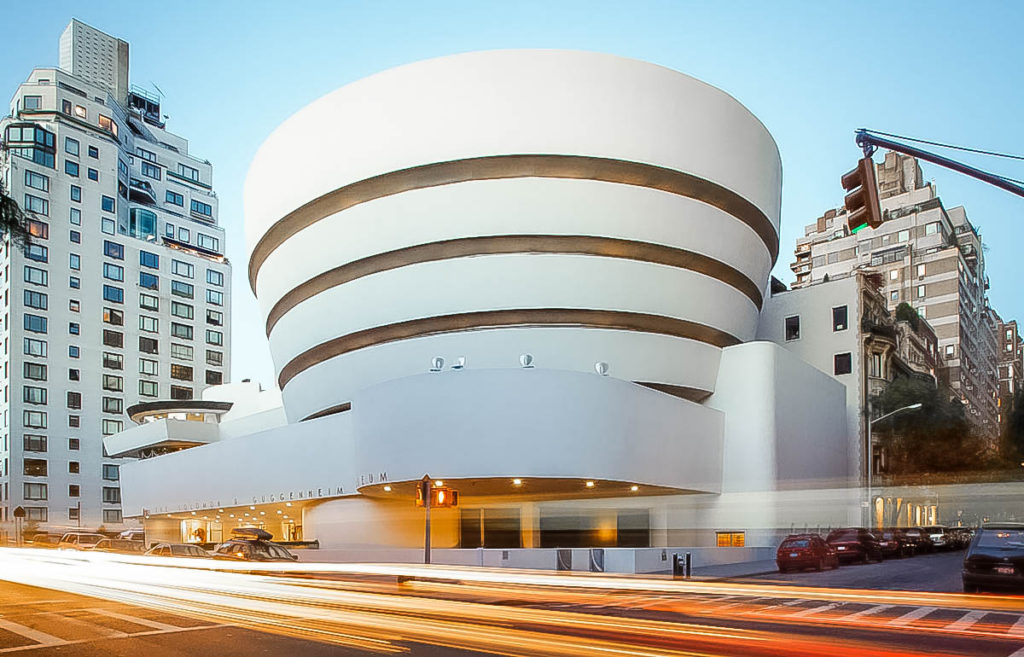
[{"x": 689, "y": 562}]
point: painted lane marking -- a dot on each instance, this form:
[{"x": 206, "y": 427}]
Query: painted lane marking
[
  {"x": 41, "y": 638},
  {"x": 911, "y": 616},
  {"x": 968, "y": 619},
  {"x": 1018, "y": 628},
  {"x": 136, "y": 634},
  {"x": 144, "y": 622},
  {"x": 870, "y": 611}
]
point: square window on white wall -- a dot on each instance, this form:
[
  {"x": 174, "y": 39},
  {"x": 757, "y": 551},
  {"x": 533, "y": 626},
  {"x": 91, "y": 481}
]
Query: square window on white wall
[{"x": 894, "y": 275}]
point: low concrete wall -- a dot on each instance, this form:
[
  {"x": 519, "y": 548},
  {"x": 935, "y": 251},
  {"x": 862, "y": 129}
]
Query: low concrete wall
[{"x": 616, "y": 560}]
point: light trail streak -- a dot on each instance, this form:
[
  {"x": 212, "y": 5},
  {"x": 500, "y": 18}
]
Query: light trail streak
[{"x": 376, "y": 617}]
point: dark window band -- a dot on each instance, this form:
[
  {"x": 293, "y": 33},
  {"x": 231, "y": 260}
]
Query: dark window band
[
  {"x": 510, "y": 244},
  {"x": 489, "y": 319},
  {"x": 513, "y": 166}
]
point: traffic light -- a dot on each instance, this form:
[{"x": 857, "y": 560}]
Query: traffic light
[
  {"x": 440, "y": 496},
  {"x": 862, "y": 197}
]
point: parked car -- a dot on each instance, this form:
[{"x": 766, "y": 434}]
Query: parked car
[
  {"x": 252, "y": 544},
  {"x": 941, "y": 538},
  {"x": 921, "y": 539},
  {"x": 134, "y": 534},
  {"x": 44, "y": 541},
  {"x": 895, "y": 543},
  {"x": 995, "y": 559},
  {"x": 178, "y": 550},
  {"x": 119, "y": 545},
  {"x": 800, "y": 551},
  {"x": 79, "y": 540},
  {"x": 962, "y": 537},
  {"x": 855, "y": 544}
]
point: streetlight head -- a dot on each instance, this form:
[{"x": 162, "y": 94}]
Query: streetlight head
[{"x": 914, "y": 407}]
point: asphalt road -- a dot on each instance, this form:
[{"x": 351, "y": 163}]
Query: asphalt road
[
  {"x": 40, "y": 622},
  {"x": 100, "y": 605},
  {"x": 939, "y": 572}
]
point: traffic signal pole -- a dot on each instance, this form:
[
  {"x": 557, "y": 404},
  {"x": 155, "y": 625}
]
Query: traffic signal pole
[
  {"x": 868, "y": 142},
  {"x": 425, "y": 484}
]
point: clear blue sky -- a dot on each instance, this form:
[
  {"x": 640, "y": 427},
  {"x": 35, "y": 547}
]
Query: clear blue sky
[{"x": 811, "y": 71}]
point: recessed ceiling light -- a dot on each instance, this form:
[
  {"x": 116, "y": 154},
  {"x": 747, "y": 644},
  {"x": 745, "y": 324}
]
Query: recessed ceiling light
[
  {"x": 280, "y": 511},
  {"x": 287, "y": 503},
  {"x": 439, "y": 483},
  {"x": 634, "y": 488},
  {"x": 517, "y": 482},
  {"x": 252, "y": 508},
  {"x": 590, "y": 484}
]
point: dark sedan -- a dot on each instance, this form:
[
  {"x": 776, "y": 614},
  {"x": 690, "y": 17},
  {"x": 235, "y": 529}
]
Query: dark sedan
[
  {"x": 800, "y": 551},
  {"x": 895, "y": 543},
  {"x": 995, "y": 559},
  {"x": 855, "y": 544}
]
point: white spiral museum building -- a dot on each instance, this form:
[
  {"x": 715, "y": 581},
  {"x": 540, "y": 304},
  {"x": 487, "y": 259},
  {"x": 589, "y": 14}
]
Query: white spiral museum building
[{"x": 536, "y": 275}]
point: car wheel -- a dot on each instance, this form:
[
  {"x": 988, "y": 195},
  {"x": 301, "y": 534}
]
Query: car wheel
[
  {"x": 971, "y": 588},
  {"x": 783, "y": 569}
]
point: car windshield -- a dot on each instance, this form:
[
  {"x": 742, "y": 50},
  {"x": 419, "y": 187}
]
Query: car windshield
[
  {"x": 89, "y": 540},
  {"x": 186, "y": 551},
  {"x": 802, "y": 542},
  {"x": 1003, "y": 539},
  {"x": 270, "y": 551},
  {"x": 935, "y": 530}
]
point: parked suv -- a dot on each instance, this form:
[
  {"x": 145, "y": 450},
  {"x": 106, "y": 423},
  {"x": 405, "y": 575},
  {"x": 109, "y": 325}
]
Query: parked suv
[
  {"x": 941, "y": 538},
  {"x": 799, "y": 551},
  {"x": 855, "y": 544},
  {"x": 921, "y": 540},
  {"x": 895, "y": 543},
  {"x": 252, "y": 544}
]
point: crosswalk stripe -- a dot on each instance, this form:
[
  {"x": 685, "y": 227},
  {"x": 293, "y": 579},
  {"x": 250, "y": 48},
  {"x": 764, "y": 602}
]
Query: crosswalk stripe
[
  {"x": 1018, "y": 628},
  {"x": 106, "y": 632},
  {"x": 40, "y": 637},
  {"x": 968, "y": 619},
  {"x": 871, "y": 611},
  {"x": 144, "y": 622},
  {"x": 814, "y": 610},
  {"x": 911, "y": 616},
  {"x": 1017, "y": 653},
  {"x": 739, "y": 603}
]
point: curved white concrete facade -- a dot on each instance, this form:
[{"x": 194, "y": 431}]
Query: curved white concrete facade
[{"x": 578, "y": 205}]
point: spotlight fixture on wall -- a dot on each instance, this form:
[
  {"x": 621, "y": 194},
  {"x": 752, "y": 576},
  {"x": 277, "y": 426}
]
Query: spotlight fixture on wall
[
  {"x": 436, "y": 364},
  {"x": 526, "y": 361},
  {"x": 601, "y": 368},
  {"x": 459, "y": 363}
]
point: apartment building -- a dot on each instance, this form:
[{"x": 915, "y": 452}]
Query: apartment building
[
  {"x": 930, "y": 257},
  {"x": 1011, "y": 368},
  {"x": 123, "y": 292}
]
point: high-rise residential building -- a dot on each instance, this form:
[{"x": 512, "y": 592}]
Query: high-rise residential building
[
  {"x": 929, "y": 257},
  {"x": 123, "y": 292},
  {"x": 1011, "y": 367}
]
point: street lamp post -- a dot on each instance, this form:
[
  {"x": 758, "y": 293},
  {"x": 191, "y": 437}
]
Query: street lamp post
[{"x": 870, "y": 452}]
